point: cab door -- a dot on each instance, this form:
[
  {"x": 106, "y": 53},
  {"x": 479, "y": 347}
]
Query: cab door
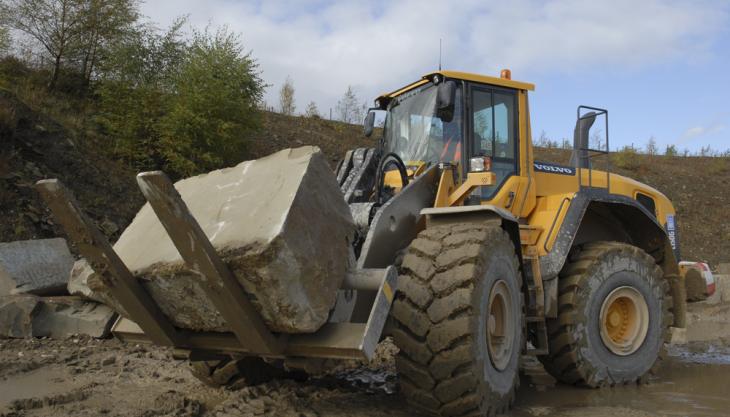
[{"x": 494, "y": 131}]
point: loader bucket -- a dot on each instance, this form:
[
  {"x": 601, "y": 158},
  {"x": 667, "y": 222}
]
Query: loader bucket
[{"x": 246, "y": 328}]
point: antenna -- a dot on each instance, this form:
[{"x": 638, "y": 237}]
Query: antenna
[{"x": 439, "y": 54}]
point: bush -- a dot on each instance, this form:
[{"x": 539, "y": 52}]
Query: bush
[
  {"x": 178, "y": 106},
  {"x": 627, "y": 158},
  {"x": 214, "y": 106}
]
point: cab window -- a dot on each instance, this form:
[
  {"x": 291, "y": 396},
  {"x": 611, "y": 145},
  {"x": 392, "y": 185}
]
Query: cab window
[{"x": 494, "y": 134}]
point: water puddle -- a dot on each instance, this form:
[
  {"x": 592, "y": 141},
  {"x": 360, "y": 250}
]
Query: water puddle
[
  {"x": 691, "y": 383},
  {"x": 40, "y": 383}
]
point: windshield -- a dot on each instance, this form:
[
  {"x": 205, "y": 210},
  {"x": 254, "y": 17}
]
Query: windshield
[{"x": 416, "y": 134}]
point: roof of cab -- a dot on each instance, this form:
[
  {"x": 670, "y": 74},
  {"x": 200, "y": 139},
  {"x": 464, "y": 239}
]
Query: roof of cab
[{"x": 467, "y": 76}]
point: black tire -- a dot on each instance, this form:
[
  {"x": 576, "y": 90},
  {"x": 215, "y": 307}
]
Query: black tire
[
  {"x": 578, "y": 355},
  {"x": 233, "y": 373},
  {"x": 448, "y": 274}
]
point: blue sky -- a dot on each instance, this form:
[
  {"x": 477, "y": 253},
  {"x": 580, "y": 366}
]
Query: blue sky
[{"x": 662, "y": 68}]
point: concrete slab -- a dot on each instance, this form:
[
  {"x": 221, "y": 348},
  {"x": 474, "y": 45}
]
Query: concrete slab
[
  {"x": 722, "y": 287},
  {"x": 62, "y": 317},
  {"x": 26, "y": 315},
  {"x": 280, "y": 223},
  {"x": 38, "y": 267},
  {"x": 678, "y": 336}
]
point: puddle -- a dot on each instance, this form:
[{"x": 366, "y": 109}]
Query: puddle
[
  {"x": 37, "y": 384},
  {"x": 690, "y": 384}
]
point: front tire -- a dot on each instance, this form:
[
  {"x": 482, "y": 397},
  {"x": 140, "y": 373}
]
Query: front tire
[
  {"x": 458, "y": 320},
  {"x": 614, "y": 314}
]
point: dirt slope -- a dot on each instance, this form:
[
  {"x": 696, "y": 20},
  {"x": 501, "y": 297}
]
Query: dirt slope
[{"x": 40, "y": 148}]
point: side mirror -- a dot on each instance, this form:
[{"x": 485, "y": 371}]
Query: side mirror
[
  {"x": 369, "y": 123},
  {"x": 445, "y": 98}
]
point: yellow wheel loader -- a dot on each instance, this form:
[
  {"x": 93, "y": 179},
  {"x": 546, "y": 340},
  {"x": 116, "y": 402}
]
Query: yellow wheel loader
[{"x": 466, "y": 250}]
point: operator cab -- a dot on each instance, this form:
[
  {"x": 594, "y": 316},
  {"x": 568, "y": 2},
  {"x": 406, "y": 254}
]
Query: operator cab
[{"x": 470, "y": 125}]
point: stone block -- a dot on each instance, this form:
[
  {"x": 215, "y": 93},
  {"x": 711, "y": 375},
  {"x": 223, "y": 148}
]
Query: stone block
[
  {"x": 38, "y": 267},
  {"x": 677, "y": 336},
  {"x": 27, "y": 315},
  {"x": 281, "y": 225},
  {"x": 87, "y": 284}
]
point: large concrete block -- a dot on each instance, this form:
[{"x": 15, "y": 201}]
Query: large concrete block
[
  {"x": 281, "y": 225},
  {"x": 28, "y": 315},
  {"x": 38, "y": 267}
]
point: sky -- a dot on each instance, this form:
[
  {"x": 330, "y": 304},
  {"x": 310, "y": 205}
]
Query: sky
[{"x": 661, "y": 68}]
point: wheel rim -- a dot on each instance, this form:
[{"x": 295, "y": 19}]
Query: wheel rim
[
  {"x": 624, "y": 320},
  {"x": 500, "y": 325}
]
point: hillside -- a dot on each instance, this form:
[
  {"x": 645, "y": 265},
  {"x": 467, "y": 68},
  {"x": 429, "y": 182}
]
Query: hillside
[{"x": 41, "y": 148}]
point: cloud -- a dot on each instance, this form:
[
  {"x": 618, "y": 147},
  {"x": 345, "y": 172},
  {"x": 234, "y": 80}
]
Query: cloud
[
  {"x": 697, "y": 131},
  {"x": 375, "y": 47}
]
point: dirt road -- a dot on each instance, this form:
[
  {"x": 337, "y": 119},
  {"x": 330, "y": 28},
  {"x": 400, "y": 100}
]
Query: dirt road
[{"x": 86, "y": 377}]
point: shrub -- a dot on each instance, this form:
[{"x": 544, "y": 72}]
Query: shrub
[
  {"x": 627, "y": 158},
  {"x": 183, "y": 107}
]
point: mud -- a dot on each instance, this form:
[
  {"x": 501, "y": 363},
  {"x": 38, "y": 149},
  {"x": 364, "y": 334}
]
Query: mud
[{"x": 87, "y": 377}]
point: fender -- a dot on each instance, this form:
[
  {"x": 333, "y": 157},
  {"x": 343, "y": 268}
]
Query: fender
[
  {"x": 641, "y": 229},
  {"x": 476, "y": 214}
]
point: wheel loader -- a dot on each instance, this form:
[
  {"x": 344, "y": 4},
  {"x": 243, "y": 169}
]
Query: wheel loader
[{"x": 468, "y": 252}]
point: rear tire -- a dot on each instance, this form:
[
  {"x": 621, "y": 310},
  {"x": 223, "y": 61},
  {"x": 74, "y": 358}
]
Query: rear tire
[
  {"x": 614, "y": 313},
  {"x": 459, "y": 320},
  {"x": 233, "y": 373}
]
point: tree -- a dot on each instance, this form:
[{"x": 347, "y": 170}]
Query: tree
[
  {"x": 56, "y": 24},
  {"x": 105, "y": 22},
  {"x": 217, "y": 90},
  {"x": 184, "y": 107},
  {"x": 671, "y": 150},
  {"x": 286, "y": 97},
  {"x": 349, "y": 109},
  {"x": 312, "y": 110},
  {"x": 4, "y": 40},
  {"x": 651, "y": 147}
]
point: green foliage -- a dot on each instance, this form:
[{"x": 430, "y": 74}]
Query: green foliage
[
  {"x": 181, "y": 106},
  {"x": 627, "y": 158},
  {"x": 671, "y": 151},
  {"x": 217, "y": 90}
]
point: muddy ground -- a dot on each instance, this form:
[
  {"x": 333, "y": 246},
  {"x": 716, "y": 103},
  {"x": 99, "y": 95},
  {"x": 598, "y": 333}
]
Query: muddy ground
[{"x": 87, "y": 377}]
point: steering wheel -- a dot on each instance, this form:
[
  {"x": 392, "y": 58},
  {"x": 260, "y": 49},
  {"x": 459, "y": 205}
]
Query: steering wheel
[{"x": 387, "y": 160}]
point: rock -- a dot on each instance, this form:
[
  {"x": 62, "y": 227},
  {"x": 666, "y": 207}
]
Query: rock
[
  {"x": 56, "y": 317},
  {"x": 38, "y": 267},
  {"x": 87, "y": 284},
  {"x": 723, "y": 268},
  {"x": 677, "y": 336},
  {"x": 16, "y": 315},
  {"x": 280, "y": 223}
]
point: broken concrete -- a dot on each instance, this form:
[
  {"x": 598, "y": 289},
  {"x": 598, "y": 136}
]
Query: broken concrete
[
  {"x": 28, "y": 315},
  {"x": 280, "y": 223},
  {"x": 38, "y": 267},
  {"x": 87, "y": 284}
]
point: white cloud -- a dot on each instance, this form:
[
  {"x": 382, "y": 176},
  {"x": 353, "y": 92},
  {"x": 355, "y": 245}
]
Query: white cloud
[
  {"x": 325, "y": 46},
  {"x": 697, "y": 131}
]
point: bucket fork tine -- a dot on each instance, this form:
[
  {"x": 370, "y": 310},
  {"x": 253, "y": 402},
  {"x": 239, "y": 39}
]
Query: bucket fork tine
[{"x": 93, "y": 246}]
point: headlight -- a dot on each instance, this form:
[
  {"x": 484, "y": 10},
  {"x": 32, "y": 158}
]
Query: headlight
[{"x": 480, "y": 164}]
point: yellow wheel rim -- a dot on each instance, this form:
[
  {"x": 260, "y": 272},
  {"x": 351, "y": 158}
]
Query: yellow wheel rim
[
  {"x": 500, "y": 325},
  {"x": 624, "y": 320}
]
